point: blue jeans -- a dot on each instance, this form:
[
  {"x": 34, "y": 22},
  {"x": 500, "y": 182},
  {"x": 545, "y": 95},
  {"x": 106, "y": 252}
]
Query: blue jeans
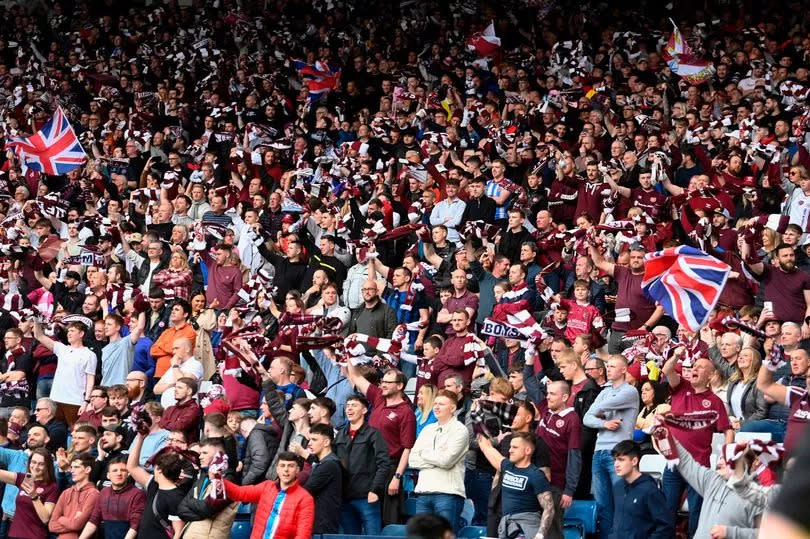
[
  {"x": 447, "y": 505},
  {"x": 4, "y": 526},
  {"x": 360, "y": 517},
  {"x": 672, "y": 485},
  {"x": 477, "y": 484},
  {"x": 44, "y": 384},
  {"x": 777, "y": 428},
  {"x": 603, "y": 479}
]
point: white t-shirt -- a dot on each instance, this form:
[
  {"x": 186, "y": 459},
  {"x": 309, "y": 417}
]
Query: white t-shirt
[
  {"x": 72, "y": 367},
  {"x": 189, "y": 366}
]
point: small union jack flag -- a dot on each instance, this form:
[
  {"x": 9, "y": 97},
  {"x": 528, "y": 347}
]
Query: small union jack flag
[
  {"x": 319, "y": 78},
  {"x": 52, "y": 150},
  {"x": 686, "y": 282}
]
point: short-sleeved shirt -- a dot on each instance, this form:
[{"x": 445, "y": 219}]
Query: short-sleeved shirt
[
  {"x": 799, "y": 402},
  {"x": 166, "y": 504},
  {"x": 561, "y": 432},
  {"x": 520, "y": 488},
  {"x": 396, "y": 423},
  {"x": 698, "y": 442},
  {"x": 72, "y": 367},
  {"x": 26, "y": 522},
  {"x": 629, "y": 296},
  {"x": 116, "y": 361},
  {"x": 786, "y": 291}
]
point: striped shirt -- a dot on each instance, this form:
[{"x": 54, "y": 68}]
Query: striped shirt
[{"x": 493, "y": 191}]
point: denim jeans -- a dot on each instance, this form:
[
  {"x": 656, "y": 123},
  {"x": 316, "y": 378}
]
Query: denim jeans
[
  {"x": 603, "y": 480},
  {"x": 777, "y": 428},
  {"x": 447, "y": 505},
  {"x": 672, "y": 485},
  {"x": 477, "y": 484},
  {"x": 4, "y": 526},
  {"x": 44, "y": 384},
  {"x": 360, "y": 517}
]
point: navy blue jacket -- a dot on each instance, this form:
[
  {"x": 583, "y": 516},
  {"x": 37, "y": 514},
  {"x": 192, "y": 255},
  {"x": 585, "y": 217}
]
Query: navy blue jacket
[{"x": 641, "y": 511}]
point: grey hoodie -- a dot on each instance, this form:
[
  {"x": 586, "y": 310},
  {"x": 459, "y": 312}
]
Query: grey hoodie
[{"x": 721, "y": 504}]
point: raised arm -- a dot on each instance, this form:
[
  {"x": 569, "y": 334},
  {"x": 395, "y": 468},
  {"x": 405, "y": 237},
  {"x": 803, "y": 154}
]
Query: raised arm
[
  {"x": 769, "y": 388},
  {"x": 141, "y": 476},
  {"x": 357, "y": 379},
  {"x": 43, "y": 339},
  {"x": 600, "y": 262},
  {"x": 673, "y": 378},
  {"x": 136, "y": 332},
  {"x": 492, "y": 455}
]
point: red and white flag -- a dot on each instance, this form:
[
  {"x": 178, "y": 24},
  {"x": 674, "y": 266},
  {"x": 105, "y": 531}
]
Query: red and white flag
[{"x": 485, "y": 43}]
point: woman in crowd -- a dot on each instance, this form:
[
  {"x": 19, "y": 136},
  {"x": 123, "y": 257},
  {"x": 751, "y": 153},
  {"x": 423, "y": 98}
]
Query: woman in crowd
[
  {"x": 36, "y": 498},
  {"x": 746, "y": 402},
  {"x": 176, "y": 280},
  {"x": 424, "y": 407},
  {"x": 653, "y": 402}
]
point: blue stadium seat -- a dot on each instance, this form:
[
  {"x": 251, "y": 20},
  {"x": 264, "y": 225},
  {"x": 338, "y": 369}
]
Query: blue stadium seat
[
  {"x": 409, "y": 507},
  {"x": 472, "y": 532},
  {"x": 395, "y": 530},
  {"x": 582, "y": 512},
  {"x": 573, "y": 532},
  {"x": 241, "y": 530}
]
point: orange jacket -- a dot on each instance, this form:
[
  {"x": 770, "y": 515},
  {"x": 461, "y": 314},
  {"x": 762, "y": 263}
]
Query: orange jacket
[
  {"x": 162, "y": 350},
  {"x": 297, "y": 512}
]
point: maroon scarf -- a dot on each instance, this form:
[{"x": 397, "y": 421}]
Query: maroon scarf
[{"x": 688, "y": 421}]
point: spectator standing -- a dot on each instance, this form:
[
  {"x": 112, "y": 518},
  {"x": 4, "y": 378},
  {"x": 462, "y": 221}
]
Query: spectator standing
[
  {"x": 119, "y": 507},
  {"x": 76, "y": 504},
  {"x": 363, "y": 454},
  {"x": 692, "y": 394},
  {"x": 528, "y": 505},
  {"x": 285, "y": 510},
  {"x": 325, "y": 483},
  {"x": 439, "y": 454},
  {"x": 640, "y": 506},
  {"x": 613, "y": 413},
  {"x": 36, "y": 495},
  {"x": 186, "y": 414},
  {"x": 393, "y": 416}
]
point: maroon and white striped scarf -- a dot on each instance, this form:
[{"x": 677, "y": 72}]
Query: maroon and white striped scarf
[
  {"x": 218, "y": 467},
  {"x": 688, "y": 421},
  {"x": 775, "y": 359},
  {"x": 480, "y": 229},
  {"x": 769, "y": 453}
]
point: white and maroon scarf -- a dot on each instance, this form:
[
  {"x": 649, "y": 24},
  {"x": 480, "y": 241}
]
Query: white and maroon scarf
[
  {"x": 769, "y": 453},
  {"x": 688, "y": 421},
  {"x": 218, "y": 467}
]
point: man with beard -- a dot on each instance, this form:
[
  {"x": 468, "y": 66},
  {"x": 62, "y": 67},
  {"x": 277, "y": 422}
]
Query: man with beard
[
  {"x": 120, "y": 505},
  {"x": 137, "y": 390},
  {"x": 787, "y": 288},
  {"x": 633, "y": 309},
  {"x": 16, "y": 460}
]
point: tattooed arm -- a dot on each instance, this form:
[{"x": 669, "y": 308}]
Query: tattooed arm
[{"x": 547, "y": 503}]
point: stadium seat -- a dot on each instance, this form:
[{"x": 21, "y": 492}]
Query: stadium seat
[
  {"x": 653, "y": 465},
  {"x": 472, "y": 532},
  {"x": 748, "y": 436},
  {"x": 467, "y": 513},
  {"x": 409, "y": 507},
  {"x": 395, "y": 530},
  {"x": 573, "y": 531},
  {"x": 718, "y": 439},
  {"x": 241, "y": 529},
  {"x": 581, "y": 512}
]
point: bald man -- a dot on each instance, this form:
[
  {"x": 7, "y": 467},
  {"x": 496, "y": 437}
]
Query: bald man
[
  {"x": 375, "y": 317},
  {"x": 183, "y": 365},
  {"x": 692, "y": 395}
]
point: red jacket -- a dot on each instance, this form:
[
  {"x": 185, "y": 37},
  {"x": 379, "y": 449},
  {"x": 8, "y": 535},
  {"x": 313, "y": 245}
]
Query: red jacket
[
  {"x": 185, "y": 417},
  {"x": 297, "y": 512}
]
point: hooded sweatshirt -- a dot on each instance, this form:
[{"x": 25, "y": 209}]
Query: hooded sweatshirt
[
  {"x": 640, "y": 510},
  {"x": 721, "y": 504}
]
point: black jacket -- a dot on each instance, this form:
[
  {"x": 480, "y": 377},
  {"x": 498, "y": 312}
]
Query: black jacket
[
  {"x": 260, "y": 450},
  {"x": 280, "y": 414},
  {"x": 325, "y": 483},
  {"x": 195, "y": 506},
  {"x": 582, "y": 402},
  {"x": 479, "y": 209},
  {"x": 365, "y": 462},
  {"x": 139, "y": 276}
]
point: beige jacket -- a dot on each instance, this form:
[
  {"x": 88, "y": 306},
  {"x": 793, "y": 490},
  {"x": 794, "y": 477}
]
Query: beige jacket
[
  {"x": 206, "y": 322},
  {"x": 439, "y": 454}
]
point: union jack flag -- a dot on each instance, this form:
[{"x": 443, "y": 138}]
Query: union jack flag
[
  {"x": 686, "y": 282},
  {"x": 52, "y": 150},
  {"x": 319, "y": 78}
]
